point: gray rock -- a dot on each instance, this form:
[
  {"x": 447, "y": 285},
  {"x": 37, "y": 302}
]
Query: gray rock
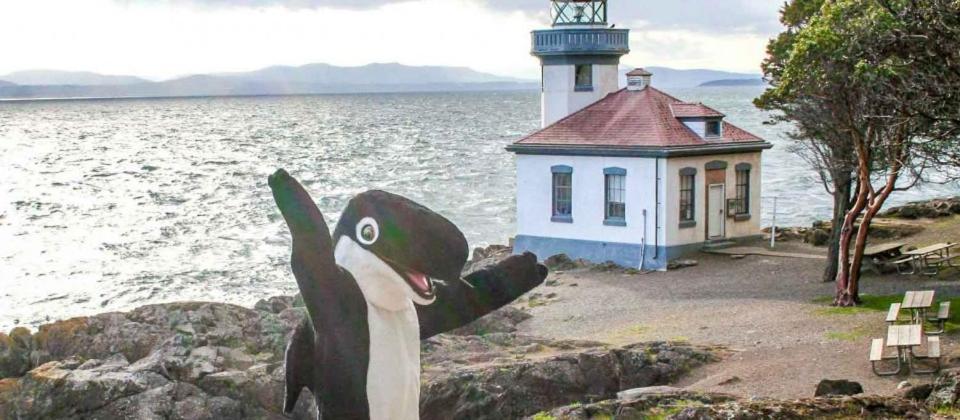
[
  {"x": 817, "y": 237},
  {"x": 834, "y": 407},
  {"x": 562, "y": 262},
  {"x": 514, "y": 388},
  {"x": 641, "y": 404},
  {"x": 915, "y": 393},
  {"x": 503, "y": 320},
  {"x": 677, "y": 264},
  {"x": 837, "y": 387},
  {"x": 946, "y": 390}
]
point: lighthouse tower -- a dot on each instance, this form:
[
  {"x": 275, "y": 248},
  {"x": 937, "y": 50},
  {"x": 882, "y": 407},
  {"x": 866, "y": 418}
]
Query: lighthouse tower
[{"x": 579, "y": 57}]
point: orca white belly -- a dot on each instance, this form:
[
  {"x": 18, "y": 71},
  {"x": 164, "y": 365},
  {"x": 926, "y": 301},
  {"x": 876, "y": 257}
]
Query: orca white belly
[{"x": 393, "y": 375}]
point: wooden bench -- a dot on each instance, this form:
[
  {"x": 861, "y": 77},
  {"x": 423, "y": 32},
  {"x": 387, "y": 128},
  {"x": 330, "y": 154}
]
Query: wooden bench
[
  {"x": 943, "y": 314},
  {"x": 893, "y": 314},
  {"x": 876, "y": 356},
  {"x": 909, "y": 261},
  {"x": 933, "y": 353}
]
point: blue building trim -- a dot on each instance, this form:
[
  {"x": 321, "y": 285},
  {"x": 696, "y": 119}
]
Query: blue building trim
[
  {"x": 561, "y": 169},
  {"x": 614, "y": 171},
  {"x": 627, "y": 255}
]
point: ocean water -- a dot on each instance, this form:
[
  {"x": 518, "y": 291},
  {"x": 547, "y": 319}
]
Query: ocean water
[{"x": 111, "y": 204}]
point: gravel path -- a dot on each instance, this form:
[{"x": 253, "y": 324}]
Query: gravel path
[{"x": 781, "y": 343}]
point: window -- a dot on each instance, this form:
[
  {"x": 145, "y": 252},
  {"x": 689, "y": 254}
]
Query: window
[
  {"x": 743, "y": 190},
  {"x": 562, "y": 194},
  {"x": 687, "y": 197},
  {"x": 615, "y": 205},
  {"x": 713, "y": 128},
  {"x": 583, "y": 77}
]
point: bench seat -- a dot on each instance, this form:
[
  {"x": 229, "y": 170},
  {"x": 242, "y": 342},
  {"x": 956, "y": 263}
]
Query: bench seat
[{"x": 894, "y": 313}]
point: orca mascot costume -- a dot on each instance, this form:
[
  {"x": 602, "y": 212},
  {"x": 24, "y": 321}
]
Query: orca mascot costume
[{"x": 389, "y": 276}]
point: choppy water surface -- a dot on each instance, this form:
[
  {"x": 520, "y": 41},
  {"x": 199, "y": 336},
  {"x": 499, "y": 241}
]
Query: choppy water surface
[{"x": 108, "y": 205}]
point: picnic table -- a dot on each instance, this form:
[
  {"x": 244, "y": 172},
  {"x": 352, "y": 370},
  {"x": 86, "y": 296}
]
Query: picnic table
[
  {"x": 929, "y": 259},
  {"x": 904, "y": 338},
  {"x": 878, "y": 256},
  {"x": 917, "y": 302}
]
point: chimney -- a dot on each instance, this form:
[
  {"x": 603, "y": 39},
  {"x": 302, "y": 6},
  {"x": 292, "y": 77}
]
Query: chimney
[{"x": 638, "y": 79}]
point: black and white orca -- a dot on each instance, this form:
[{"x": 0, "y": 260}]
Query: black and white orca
[{"x": 389, "y": 276}]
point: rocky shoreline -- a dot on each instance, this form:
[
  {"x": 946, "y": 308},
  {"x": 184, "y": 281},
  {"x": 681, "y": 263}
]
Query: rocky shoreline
[
  {"x": 197, "y": 360},
  {"x": 894, "y": 223},
  {"x": 211, "y": 360}
]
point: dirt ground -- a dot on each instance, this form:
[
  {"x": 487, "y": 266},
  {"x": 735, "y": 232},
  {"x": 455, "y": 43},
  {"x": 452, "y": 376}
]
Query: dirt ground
[{"x": 782, "y": 338}]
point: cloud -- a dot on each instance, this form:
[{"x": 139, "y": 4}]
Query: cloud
[
  {"x": 289, "y": 4},
  {"x": 711, "y": 16}
]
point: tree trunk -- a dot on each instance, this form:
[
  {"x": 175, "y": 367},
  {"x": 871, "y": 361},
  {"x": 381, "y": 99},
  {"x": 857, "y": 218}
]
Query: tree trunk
[
  {"x": 874, "y": 206},
  {"x": 842, "y": 186},
  {"x": 844, "y": 278}
]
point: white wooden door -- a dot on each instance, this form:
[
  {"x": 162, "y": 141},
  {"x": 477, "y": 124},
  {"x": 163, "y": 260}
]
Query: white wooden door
[{"x": 717, "y": 216}]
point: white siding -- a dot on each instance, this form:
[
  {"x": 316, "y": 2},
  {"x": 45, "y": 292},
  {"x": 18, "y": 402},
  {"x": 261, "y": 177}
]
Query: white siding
[
  {"x": 559, "y": 98},
  {"x": 534, "y": 198},
  {"x": 734, "y": 229}
]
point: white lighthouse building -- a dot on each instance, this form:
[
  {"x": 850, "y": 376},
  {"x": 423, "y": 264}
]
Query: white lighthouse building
[
  {"x": 633, "y": 175},
  {"x": 579, "y": 58}
]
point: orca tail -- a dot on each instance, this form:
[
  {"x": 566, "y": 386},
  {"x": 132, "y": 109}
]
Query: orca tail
[{"x": 300, "y": 362}]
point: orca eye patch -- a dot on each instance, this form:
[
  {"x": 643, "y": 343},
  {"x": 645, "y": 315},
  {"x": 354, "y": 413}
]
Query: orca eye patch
[{"x": 368, "y": 231}]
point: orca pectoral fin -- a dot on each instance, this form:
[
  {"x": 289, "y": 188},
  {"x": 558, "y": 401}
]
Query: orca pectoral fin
[
  {"x": 300, "y": 366},
  {"x": 479, "y": 293}
]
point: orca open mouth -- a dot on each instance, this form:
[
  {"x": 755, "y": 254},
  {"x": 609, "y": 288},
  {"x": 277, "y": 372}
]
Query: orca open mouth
[{"x": 420, "y": 283}]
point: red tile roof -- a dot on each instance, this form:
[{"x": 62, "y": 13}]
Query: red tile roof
[
  {"x": 625, "y": 118},
  {"x": 693, "y": 111},
  {"x": 639, "y": 72}
]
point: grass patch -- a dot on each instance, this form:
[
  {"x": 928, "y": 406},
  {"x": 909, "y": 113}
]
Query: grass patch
[
  {"x": 947, "y": 411},
  {"x": 666, "y": 411},
  {"x": 851, "y": 335},
  {"x": 881, "y": 304},
  {"x": 543, "y": 415}
]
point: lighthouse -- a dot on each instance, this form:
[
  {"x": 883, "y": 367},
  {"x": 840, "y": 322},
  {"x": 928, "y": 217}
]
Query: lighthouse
[{"x": 579, "y": 57}]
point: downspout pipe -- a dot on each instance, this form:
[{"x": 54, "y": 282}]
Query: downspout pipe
[{"x": 656, "y": 210}]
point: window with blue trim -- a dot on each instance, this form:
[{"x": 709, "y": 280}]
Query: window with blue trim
[
  {"x": 687, "y": 196},
  {"x": 583, "y": 77},
  {"x": 742, "y": 206},
  {"x": 562, "y": 193},
  {"x": 615, "y": 201}
]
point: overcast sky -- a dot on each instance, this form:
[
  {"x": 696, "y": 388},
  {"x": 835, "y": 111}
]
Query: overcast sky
[{"x": 160, "y": 39}]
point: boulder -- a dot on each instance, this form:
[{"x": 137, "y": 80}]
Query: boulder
[
  {"x": 857, "y": 406},
  {"x": 678, "y": 264},
  {"x": 817, "y": 237},
  {"x": 15, "y": 352},
  {"x": 503, "y": 320},
  {"x": 562, "y": 262},
  {"x": 837, "y": 387},
  {"x": 946, "y": 390},
  {"x": 213, "y": 361},
  {"x": 485, "y": 257},
  {"x": 518, "y": 387},
  {"x": 639, "y": 403},
  {"x": 915, "y": 392},
  {"x": 935, "y": 208}
]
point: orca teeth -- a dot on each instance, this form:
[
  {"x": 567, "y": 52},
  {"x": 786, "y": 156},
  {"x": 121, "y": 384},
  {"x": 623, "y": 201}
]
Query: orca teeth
[{"x": 420, "y": 283}]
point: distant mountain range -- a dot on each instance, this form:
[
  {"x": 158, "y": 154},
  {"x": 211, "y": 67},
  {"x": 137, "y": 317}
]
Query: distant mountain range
[
  {"x": 667, "y": 78},
  {"x": 277, "y": 80},
  {"x": 306, "y": 79},
  {"x": 734, "y": 82},
  {"x": 57, "y": 77}
]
